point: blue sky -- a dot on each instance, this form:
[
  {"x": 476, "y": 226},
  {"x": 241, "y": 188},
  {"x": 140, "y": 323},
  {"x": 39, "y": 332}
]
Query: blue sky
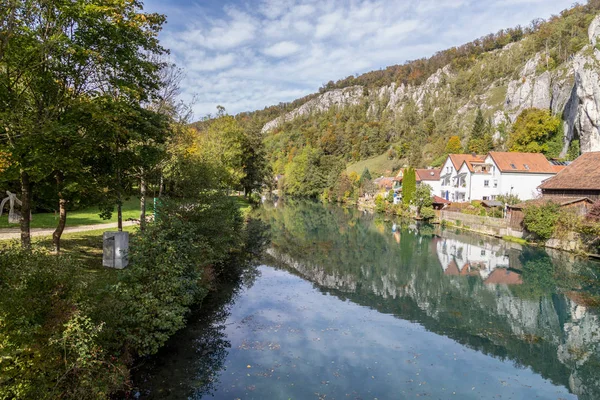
[{"x": 246, "y": 55}]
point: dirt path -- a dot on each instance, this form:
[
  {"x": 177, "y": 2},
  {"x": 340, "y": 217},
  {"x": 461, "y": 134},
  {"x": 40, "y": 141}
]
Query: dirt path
[{"x": 15, "y": 233}]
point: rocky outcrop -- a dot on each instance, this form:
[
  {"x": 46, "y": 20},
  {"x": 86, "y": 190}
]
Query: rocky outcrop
[
  {"x": 585, "y": 112},
  {"x": 572, "y": 91},
  {"x": 339, "y": 97}
]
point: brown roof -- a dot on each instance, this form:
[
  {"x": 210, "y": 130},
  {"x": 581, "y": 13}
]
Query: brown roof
[
  {"x": 522, "y": 162},
  {"x": 504, "y": 276},
  {"x": 561, "y": 201},
  {"x": 439, "y": 200},
  {"x": 428, "y": 174},
  {"x": 581, "y": 174},
  {"x": 459, "y": 159},
  {"x": 384, "y": 182},
  {"x": 452, "y": 269}
]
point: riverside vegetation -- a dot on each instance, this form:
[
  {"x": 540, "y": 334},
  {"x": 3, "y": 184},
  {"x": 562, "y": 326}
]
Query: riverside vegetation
[{"x": 89, "y": 116}]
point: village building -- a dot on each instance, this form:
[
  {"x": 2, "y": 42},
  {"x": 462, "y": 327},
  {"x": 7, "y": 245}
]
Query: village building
[
  {"x": 429, "y": 177},
  {"x": 467, "y": 177},
  {"x": 579, "y": 179}
]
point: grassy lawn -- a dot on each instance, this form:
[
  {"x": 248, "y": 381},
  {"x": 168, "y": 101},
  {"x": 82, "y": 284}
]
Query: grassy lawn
[
  {"x": 377, "y": 166},
  {"x": 86, "y": 216}
]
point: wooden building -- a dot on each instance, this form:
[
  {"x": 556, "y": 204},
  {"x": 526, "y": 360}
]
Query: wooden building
[{"x": 579, "y": 179}]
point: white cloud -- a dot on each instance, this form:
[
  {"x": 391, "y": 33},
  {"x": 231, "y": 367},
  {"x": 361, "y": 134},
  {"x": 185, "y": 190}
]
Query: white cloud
[
  {"x": 246, "y": 56},
  {"x": 282, "y": 49}
]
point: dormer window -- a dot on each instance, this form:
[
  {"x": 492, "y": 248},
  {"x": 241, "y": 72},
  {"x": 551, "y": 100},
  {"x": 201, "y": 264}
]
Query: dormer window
[
  {"x": 526, "y": 166},
  {"x": 513, "y": 166}
]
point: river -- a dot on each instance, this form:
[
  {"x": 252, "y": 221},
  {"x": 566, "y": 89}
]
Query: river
[{"x": 349, "y": 306}]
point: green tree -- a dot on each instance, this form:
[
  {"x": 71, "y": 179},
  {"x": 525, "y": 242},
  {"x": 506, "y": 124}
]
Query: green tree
[
  {"x": 82, "y": 50},
  {"x": 422, "y": 199},
  {"x": 256, "y": 169},
  {"x": 409, "y": 185},
  {"x": 366, "y": 175},
  {"x": 536, "y": 131},
  {"x": 481, "y": 140},
  {"x": 454, "y": 146}
]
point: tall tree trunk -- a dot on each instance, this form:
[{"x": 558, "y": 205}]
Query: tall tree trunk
[
  {"x": 25, "y": 210},
  {"x": 160, "y": 186},
  {"x": 142, "y": 201},
  {"x": 119, "y": 202},
  {"x": 62, "y": 217}
]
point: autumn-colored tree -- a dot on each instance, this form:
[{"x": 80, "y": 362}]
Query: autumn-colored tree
[{"x": 454, "y": 146}]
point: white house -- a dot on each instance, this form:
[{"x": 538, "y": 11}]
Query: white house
[
  {"x": 468, "y": 177},
  {"x": 429, "y": 177}
]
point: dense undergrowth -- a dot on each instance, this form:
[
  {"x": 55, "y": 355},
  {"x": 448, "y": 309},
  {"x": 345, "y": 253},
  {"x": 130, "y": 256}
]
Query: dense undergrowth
[{"x": 66, "y": 333}]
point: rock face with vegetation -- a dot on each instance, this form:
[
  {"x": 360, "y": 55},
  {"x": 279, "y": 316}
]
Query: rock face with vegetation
[{"x": 416, "y": 107}]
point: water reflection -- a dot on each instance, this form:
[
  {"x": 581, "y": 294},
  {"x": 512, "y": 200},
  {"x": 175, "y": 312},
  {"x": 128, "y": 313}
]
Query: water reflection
[
  {"x": 392, "y": 310},
  {"x": 537, "y": 309}
]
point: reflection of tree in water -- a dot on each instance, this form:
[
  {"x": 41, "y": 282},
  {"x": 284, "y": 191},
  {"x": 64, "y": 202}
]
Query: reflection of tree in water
[
  {"x": 540, "y": 324},
  {"x": 191, "y": 362}
]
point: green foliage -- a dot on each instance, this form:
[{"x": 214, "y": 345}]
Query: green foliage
[
  {"x": 409, "y": 185},
  {"x": 427, "y": 213},
  {"x": 49, "y": 346},
  {"x": 574, "y": 150},
  {"x": 380, "y": 206},
  {"x": 541, "y": 220},
  {"x": 510, "y": 199},
  {"x": 390, "y": 197},
  {"x": 536, "y": 131},
  {"x": 366, "y": 175},
  {"x": 422, "y": 200},
  {"x": 481, "y": 140}
]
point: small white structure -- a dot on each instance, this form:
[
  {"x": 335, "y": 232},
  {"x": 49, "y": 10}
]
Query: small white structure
[
  {"x": 14, "y": 217},
  {"x": 115, "y": 249},
  {"x": 431, "y": 177},
  {"x": 467, "y": 177}
]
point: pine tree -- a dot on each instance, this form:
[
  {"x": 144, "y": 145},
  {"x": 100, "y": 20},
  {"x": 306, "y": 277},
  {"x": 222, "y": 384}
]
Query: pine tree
[{"x": 409, "y": 185}]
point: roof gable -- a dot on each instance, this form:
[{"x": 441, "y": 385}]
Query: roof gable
[
  {"x": 533, "y": 163},
  {"x": 459, "y": 159},
  {"x": 428, "y": 174}
]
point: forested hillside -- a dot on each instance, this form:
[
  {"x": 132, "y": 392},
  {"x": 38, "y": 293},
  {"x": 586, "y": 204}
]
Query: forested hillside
[{"x": 407, "y": 114}]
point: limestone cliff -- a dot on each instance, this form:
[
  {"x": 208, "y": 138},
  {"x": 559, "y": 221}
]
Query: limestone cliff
[{"x": 570, "y": 90}]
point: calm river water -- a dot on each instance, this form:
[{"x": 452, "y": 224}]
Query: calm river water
[{"x": 348, "y": 306}]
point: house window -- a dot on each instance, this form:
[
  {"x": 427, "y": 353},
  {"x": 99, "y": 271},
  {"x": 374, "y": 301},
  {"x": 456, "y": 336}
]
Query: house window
[
  {"x": 526, "y": 166},
  {"x": 483, "y": 252},
  {"x": 495, "y": 183},
  {"x": 486, "y": 198},
  {"x": 513, "y": 166},
  {"x": 486, "y": 183},
  {"x": 493, "y": 197}
]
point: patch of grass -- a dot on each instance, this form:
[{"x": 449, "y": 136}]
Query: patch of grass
[
  {"x": 514, "y": 239},
  {"x": 496, "y": 97},
  {"x": 377, "y": 166},
  {"x": 86, "y": 216}
]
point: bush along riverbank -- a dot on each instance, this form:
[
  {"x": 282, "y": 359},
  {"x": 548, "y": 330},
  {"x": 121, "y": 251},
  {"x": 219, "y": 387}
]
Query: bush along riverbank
[{"x": 71, "y": 331}]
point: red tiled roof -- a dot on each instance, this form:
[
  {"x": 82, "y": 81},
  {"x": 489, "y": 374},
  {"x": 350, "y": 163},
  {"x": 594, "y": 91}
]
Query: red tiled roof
[
  {"x": 428, "y": 174},
  {"x": 439, "y": 200},
  {"x": 581, "y": 174},
  {"x": 522, "y": 162},
  {"x": 452, "y": 269},
  {"x": 459, "y": 159},
  {"x": 504, "y": 276}
]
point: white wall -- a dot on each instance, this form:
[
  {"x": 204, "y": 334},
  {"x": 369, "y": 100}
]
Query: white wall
[
  {"x": 436, "y": 187},
  {"x": 487, "y": 256},
  {"x": 523, "y": 185}
]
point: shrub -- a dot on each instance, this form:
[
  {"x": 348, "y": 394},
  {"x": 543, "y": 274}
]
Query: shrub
[
  {"x": 379, "y": 204},
  {"x": 541, "y": 220},
  {"x": 49, "y": 347},
  {"x": 427, "y": 213}
]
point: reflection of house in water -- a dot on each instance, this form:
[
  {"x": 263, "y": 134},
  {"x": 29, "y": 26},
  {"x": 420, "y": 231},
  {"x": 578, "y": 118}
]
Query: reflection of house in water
[{"x": 486, "y": 260}]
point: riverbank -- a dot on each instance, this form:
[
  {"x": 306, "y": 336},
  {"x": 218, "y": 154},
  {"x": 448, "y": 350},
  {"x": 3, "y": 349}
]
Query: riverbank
[
  {"x": 73, "y": 329},
  {"x": 346, "y": 303}
]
